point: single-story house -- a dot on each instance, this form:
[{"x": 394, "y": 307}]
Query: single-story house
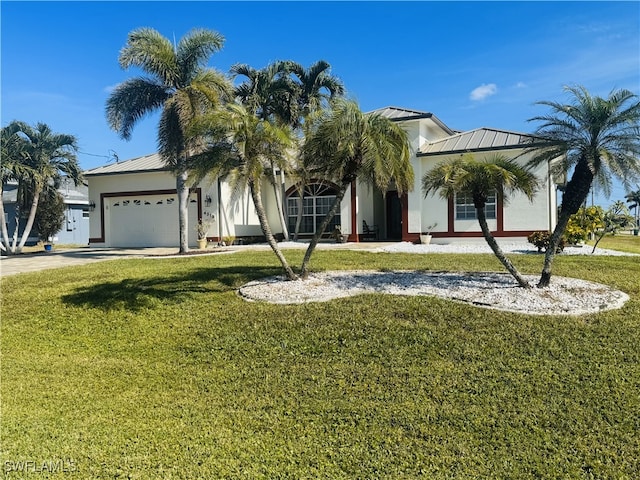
[
  {"x": 136, "y": 202},
  {"x": 75, "y": 230}
]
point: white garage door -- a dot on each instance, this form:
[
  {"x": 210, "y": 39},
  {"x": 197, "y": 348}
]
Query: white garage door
[{"x": 149, "y": 221}]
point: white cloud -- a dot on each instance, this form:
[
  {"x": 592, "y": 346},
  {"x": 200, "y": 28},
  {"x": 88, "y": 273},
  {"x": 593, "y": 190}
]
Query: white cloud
[
  {"x": 483, "y": 91},
  {"x": 521, "y": 85}
]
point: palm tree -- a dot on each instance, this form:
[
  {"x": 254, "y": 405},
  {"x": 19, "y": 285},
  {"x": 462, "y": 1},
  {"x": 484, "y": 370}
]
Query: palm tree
[
  {"x": 352, "y": 145},
  {"x": 180, "y": 85},
  {"x": 316, "y": 87},
  {"x": 12, "y": 169},
  {"x": 35, "y": 157},
  {"x": 270, "y": 95},
  {"x": 285, "y": 92},
  {"x": 480, "y": 179},
  {"x": 633, "y": 199},
  {"x": 243, "y": 146},
  {"x": 599, "y": 138}
]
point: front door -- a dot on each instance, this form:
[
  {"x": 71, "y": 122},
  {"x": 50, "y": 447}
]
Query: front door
[{"x": 394, "y": 216}]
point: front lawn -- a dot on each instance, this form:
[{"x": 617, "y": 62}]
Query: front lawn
[
  {"x": 157, "y": 369},
  {"x": 622, "y": 242}
]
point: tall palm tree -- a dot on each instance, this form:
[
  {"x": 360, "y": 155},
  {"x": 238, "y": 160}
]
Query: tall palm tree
[
  {"x": 12, "y": 168},
  {"x": 599, "y": 138},
  {"x": 350, "y": 146},
  {"x": 269, "y": 94},
  {"x": 36, "y": 156},
  {"x": 285, "y": 92},
  {"x": 243, "y": 146},
  {"x": 181, "y": 86},
  {"x": 480, "y": 179},
  {"x": 316, "y": 87},
  {"x": 633, "y": 199}
]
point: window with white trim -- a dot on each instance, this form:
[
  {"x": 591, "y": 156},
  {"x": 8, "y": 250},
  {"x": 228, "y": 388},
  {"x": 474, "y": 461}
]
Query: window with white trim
[{"x": 466, "y": 210}]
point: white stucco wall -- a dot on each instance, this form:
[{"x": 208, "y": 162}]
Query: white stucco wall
[
  {"x": 235, "y": 216},
  {"x": 519, "y": 214},
  {"x": 365, "y": 206}
]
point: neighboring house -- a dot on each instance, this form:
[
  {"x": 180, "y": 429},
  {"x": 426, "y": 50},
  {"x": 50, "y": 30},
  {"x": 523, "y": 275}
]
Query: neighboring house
[
  {"x": 76, "y": 216},
  {"x": 136, "y": 201}
]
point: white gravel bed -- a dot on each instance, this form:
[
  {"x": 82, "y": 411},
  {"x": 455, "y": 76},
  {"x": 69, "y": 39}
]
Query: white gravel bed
[
  {"x": 565, "y": 296},
  {"x": 479, "y": 246},
  {"x": 511, "y": 248}
]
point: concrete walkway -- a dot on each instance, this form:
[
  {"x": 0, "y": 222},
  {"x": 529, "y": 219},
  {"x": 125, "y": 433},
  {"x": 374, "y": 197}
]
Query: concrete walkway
[{"x": 33, "y": 262}]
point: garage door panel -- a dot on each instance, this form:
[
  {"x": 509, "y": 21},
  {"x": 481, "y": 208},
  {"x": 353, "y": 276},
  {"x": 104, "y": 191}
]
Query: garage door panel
[{"x": 149, "y": 221}]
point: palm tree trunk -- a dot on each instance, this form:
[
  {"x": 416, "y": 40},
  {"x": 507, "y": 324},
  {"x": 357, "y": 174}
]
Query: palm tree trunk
[
  {"x": 304, "y": 270},
  {"x": 183, "y": 210},
  {"x": 6, "y": 244},
  {"x": 482, "y": 220},
  {"x": 573, "y": 197},
  {"x": 299, "y": 215},
  {"x": 254, "y": 187},
  {"x": 276, "y": 192},
  {"x": 30, "y": 219},
  {"x": 554, "y": 241}
]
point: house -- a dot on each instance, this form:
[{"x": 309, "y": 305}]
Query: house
[
  {"x": 75, "y": 230},
  {"x": 136, "y": 201}
]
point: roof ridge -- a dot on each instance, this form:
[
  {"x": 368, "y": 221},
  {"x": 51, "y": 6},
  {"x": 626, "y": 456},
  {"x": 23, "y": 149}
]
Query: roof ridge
[{"x": 403, "y": 109}]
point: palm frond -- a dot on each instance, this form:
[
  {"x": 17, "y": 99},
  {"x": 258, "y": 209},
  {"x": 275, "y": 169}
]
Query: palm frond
[
  {"x": 149, "y": 50},
  {"x": 131, "y": 101},
  {"x": 193, "y": 52}
]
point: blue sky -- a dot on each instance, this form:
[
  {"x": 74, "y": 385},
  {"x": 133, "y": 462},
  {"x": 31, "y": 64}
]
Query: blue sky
[{"x": 472, "y": 64}]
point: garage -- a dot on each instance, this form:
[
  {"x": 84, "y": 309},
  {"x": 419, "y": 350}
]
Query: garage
[{"x": 147, "y": 220}]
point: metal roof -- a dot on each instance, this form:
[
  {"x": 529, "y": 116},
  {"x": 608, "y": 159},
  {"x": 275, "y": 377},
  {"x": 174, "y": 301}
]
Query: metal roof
[
  {"x": 480, "y": 139},
  {"x": 398, "y": 113},
  {"x": 146, "y": 163},
  {"x": 71, "y": 193},
  {"x": 402, "y": 114}
]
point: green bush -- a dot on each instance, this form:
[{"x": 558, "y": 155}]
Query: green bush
[
  {"x": 541, "y": 239},
  {"x": 50, "y": 215},
  {"x": 583, "y": 224}
]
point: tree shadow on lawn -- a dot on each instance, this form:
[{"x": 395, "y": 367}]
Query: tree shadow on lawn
[{"x": 135, "y": 294}]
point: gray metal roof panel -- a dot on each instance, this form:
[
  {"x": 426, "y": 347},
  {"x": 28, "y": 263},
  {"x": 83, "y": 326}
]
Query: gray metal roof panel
[
  {"x": 72, "y": 194},
  {"x": 146, "y": 163},
  {"x": 477, "y": 140},
  {"x": 400, "y": 114}
]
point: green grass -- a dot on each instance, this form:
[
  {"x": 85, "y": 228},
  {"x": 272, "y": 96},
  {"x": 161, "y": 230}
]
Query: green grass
[
  {"x": 157, "y": 369},
  {"x": 622, "y": 242}
]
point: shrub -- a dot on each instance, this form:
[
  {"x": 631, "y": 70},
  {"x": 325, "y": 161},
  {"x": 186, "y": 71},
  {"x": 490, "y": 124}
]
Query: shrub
[
  {"x": 50, "y": 215},
  {"x": 541, "y": 239},
  {"x": 583, "y": 224}
]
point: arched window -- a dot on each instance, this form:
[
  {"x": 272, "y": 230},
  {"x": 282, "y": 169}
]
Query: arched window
[{"x": 316, "y": 202}]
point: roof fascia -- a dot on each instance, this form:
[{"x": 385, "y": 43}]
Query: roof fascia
[{"x": 106, "y": 174}]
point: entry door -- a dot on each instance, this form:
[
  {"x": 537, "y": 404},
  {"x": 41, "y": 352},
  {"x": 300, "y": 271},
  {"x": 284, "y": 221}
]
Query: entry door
[{"x": 394, "y": 216}]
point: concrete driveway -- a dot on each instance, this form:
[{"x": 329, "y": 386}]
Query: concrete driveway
[{"x": 33, "y": 262}]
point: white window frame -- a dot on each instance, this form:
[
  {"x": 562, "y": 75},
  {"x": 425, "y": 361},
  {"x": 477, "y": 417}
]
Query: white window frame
[{"x": 466, "y": 210}]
